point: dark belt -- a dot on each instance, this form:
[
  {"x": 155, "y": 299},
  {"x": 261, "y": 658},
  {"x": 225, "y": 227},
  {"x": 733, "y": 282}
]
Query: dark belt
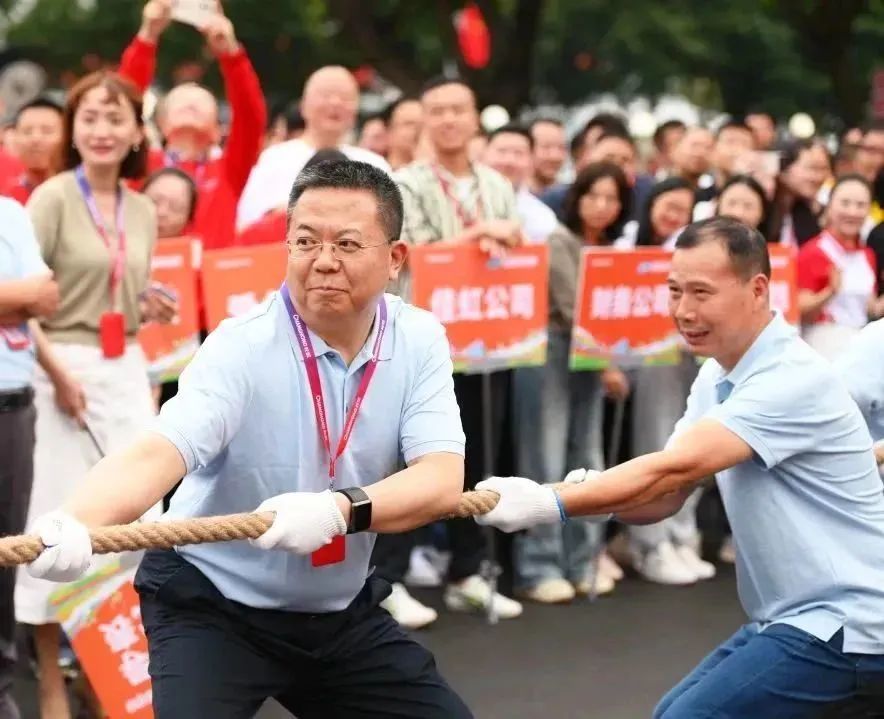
[{"x": 16, "y": 399}]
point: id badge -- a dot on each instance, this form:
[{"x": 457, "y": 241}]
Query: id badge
[
  {"x": 332, "y": 553},
  {"x": 16, "y": 338},
  {"x": 112, "y": 331}
]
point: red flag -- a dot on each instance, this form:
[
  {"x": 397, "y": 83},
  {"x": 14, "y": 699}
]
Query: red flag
[{"x": 473, "y": 37}]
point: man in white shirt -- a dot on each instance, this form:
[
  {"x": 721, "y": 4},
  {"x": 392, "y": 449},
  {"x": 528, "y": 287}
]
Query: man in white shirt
[
  {"x": 329, "y": 106},
  {"x": 509, "y": 151}
]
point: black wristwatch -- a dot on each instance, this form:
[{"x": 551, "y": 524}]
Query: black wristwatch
[{"x": 360, "y": 509}]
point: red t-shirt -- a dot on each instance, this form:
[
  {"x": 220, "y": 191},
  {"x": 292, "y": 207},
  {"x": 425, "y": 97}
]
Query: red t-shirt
[{"x": 858, "y": 267}]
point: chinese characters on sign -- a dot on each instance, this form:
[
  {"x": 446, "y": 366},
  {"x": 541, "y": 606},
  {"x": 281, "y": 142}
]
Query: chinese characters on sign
[{"x": 494, "y": 311}]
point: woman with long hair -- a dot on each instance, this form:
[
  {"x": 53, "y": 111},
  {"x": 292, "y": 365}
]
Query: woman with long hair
[
  {"x": 837, "y": 273},
  {"x": 97, "y": 237},
  {"x": 559, "y": 413},
  {"x": 666, "y": 210}
]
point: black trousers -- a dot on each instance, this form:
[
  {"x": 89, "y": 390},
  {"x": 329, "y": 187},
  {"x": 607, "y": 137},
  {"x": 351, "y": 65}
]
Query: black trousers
[
  {"x": 16, "y": 478},
  {"x": 467, "y": 543},
  {"x": 211, "y": 657}
]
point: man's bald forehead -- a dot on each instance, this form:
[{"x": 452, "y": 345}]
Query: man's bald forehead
[{"x": 331, "y": 75}]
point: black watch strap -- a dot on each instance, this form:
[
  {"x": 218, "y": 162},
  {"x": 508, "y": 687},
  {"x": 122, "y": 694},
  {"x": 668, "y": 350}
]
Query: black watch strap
[{"x": 360, "y": 509}]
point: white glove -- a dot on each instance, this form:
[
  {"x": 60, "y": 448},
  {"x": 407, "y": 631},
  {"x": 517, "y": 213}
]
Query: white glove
[
  {"x": 304, "y": 522},
  {"x": 68, "y": 548},
  {"x": 523, "y": 503},
  {"x": 576, "y": 476}
]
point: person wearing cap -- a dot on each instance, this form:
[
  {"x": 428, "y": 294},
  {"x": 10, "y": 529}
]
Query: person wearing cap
[{"x": 331, "y": 405}]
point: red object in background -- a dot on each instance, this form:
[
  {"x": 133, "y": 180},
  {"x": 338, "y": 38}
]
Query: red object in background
[
  {"x": 473, "y": 37},
  {"x": 365, "y": 76},
  {"x": 269, "y": 230}
]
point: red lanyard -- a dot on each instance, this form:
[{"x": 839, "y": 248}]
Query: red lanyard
[
  {"x": 118, "y": 263},
  {"x": 312, "y": 367},
  {"x": 466, "y": 220}
]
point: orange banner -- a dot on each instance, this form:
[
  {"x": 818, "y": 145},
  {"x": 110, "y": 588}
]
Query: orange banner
[
  {"x": 494, "y": 311},
  {"x": 102, "y": 616},
  {"x": 622, "y": 310},
  {"x": 784, "y": 281},
  {"x": 238, "y": 278},
  {"x": 169, "y": 348}
]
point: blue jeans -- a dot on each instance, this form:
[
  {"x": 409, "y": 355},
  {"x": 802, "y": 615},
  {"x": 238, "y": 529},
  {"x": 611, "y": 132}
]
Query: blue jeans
[
  {"x": 780, "y": 673},
  {"x": 558, "y": 418}
]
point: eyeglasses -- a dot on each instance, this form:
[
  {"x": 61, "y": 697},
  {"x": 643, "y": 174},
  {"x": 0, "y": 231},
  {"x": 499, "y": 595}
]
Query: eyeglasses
[{"x": 305, "y": 247}]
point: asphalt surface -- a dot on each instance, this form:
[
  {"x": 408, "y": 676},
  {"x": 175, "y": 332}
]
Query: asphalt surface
[{"x": 612, "y": 659}]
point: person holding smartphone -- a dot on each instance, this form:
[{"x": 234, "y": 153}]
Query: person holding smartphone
[{"x": 96, "y": 236}]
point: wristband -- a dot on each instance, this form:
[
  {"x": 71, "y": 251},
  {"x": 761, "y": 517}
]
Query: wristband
[{"x": 563, "y": 515}]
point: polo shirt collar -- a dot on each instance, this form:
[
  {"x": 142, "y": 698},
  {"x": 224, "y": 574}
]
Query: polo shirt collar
[{"x": 775, "y": 330}]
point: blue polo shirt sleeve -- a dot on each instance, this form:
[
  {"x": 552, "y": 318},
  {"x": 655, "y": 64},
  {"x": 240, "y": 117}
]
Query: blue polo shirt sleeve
[
  {"x": 18, "y": 233},
  {"x": 693, "y": 409},
  {"x": 431, "y": 416},
  {"x": 214, "y": 392},
  {"x": 777, "y": 416}
]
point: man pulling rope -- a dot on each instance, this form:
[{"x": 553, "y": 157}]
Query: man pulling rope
[
  {"x": 305, "y": 408},
  {"x": 798, "y": 477}
]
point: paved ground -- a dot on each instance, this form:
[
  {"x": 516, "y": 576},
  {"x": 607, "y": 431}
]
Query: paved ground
[{"x": 610, "y": 660}]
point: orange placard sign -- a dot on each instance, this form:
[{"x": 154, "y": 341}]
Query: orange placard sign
[
  {"x": 784, "y": 281},
  {"x": 622, "y": 310},
  {"x": 169, "y": 348},
  {"x": 494, "y": 310},
  {"x": 237, "y": 278},
  {"x": 102, "y": 616}
]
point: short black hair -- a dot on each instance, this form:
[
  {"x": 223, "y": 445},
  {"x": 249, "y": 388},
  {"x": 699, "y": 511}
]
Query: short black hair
[
  {"x": 512, "y": 129},
  {"x": 294, "y": 119},
  {"x": 548, "y": 120},
  {"x": 665, "y": 127},
  {"x": 745, "y": 246},
  {"x": 395, "y": 105},
  {"x": 619, "y": 134},
  {"x": 583, "y": 183},
  {"x": 607, "y": 121},
  {"x": 732, "y": 124},
  {"x": 40, "y": 103},
  {"x": 352, "y": 175},
  {"x": 181, "y": 175},
  {"x": 441, "y": 81},
  {"x": 851, "y": 177}
]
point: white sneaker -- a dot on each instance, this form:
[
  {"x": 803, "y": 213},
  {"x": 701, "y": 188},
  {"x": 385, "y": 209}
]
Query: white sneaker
[
  {"x": 609, "y": 567},
  {"x": 692, "y": 560},
  {"x": 728, "y": 552},
  {"x": 663, "y": 566},
  {"x": 406, "y": 610},
  {"x": 550, "y": 591},
  {"x": 421, "y": 570},
  {"x": 472, "y": 595},
  {"x": 604, "y": 584}
]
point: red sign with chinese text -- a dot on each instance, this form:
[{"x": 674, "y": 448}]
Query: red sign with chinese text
[
  {"x": 112, "y": 649},
  {"x": 238, "y": 278},
  {"x": 784, "y": 281},
  {"x": 169, "y": 348},
  {"x": 494, "y": 310},
  {"x": 621, "y": 313}
]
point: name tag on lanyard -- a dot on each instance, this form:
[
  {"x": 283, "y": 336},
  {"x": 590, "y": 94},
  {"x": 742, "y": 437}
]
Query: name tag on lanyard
[
  {"x": 111, "y": 324},
  {"x": 336, "y": 551}
]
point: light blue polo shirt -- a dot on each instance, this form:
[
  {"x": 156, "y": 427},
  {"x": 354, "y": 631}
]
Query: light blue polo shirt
[
  {"x": 861, "y": 366},
  {"x": 807, "y": 513},
  {"x": 244, "y": 422},
  {"x": 19, "y": 258}
]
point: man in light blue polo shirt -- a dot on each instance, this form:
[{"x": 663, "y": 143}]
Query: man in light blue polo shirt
[
  {"x": 26, "y": 290},
  {"x": 861, "y": 366},
  {"x": 793, "y": 460},
  {"x": 331, "y": 405}
]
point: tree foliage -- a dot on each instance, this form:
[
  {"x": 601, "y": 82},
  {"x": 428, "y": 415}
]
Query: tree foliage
[{"x": 785, "y": 55}]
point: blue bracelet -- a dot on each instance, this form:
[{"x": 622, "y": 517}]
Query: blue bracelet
[{"x": 563, "y": 515}]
